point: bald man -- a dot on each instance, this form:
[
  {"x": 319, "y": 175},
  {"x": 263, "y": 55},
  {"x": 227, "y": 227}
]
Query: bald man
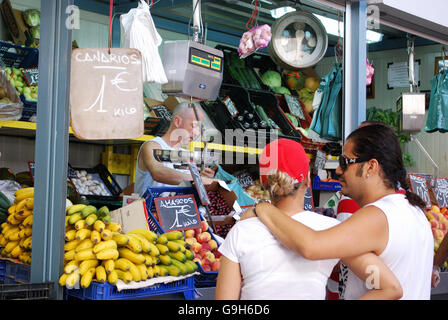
[{"x": 152, "y": 173}]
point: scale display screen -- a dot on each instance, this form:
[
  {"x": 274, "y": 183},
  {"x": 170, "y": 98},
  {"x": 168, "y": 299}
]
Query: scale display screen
[{"x": 205, "y": 60}]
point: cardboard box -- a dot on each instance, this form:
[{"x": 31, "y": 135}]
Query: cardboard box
[
  {"x": 17, "y": 28},
  {"x": 132, "y": 216}
]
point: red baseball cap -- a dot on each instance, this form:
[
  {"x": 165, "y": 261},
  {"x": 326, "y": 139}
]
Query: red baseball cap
[{"x": 286, "y": 156}]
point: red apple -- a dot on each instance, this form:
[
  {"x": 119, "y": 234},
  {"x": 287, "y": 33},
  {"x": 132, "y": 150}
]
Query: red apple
[
  {"x": 434, "y": 224},
  {"x": 204, "y": 226},
  {"x": 210, "y": 256},
  {"x": 203, "y": 252},
  {"x": 443, "y": 227},
  {"x": 196, "y": 247},
  {"x": 204, "y": 237},
  {"x": 190, "y": 241},
  {"x": 206, "y": 261},
  {"x": 197, "y": 231},
  {"x": 215, "y": 265},
  {"x": 213, "y": 244},
  {"x": 206, "y": 246},
  {"x": 217, "y": 254},
  {"x": 189, "y": 233}
]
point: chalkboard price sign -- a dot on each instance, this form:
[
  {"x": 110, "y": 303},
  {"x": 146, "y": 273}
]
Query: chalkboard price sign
[
  {"x": 178, "y": 212},
  {"x": 294, "y": 106},
  {"x": 106, "y": 93},
  {"x": 420, "y": 187},
  {"x": 31, "y": 76},
  {"x": 203, "y": 195},
  {"x": 441, "y": 192}
]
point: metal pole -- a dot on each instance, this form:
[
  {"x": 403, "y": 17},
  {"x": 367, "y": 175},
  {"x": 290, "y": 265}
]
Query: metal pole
[
  {"x": 52, "y": 144},
  {"x": 434, "y": 164},
  {"x": 355, "y": 56}
]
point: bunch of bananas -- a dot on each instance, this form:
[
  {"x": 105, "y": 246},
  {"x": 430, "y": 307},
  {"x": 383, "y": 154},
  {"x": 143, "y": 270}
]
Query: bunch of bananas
[
  {"x": 100, "y": 251},
  {"x": 16, "y": 231}
]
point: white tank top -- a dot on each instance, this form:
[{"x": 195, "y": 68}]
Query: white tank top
[
  {"x": 409, "y": 251},
  {"x": 144, "y": 179}
]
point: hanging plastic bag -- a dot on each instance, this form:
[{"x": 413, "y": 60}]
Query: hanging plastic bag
[
  {"x": 256, "y": 38},
  {"x": 332, "y": 125},
  {"x": 437, "y": 119},
  {"x": 232, "y": 182},
  {"x": 369, "y": 73},
  {"x": 138, "y": 31},
  {"x": 10, "y": 105}
]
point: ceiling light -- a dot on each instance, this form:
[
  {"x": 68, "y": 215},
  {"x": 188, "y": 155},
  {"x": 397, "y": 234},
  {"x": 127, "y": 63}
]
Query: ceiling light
[
  {"x": 331, "y": 26},
  {"x": 279, "y": 12}
]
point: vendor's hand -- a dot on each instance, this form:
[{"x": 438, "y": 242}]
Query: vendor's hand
[
  {"x": 435, "y": 278},
  {"x": 249, "y": 213},
  {"x": 207, "y": 172}
]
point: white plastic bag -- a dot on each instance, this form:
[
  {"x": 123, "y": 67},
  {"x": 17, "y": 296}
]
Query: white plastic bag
[
  {"x": 10, "y": 105},
  {"x": 138, "y": 31}
]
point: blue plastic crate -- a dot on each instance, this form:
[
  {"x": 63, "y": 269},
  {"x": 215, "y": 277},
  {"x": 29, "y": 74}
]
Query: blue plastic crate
[
  {"x": 2, "y": 270},
  {"x": 206, "y": 278},
  {"x": 17, "y": 272},
  {"x": 106, "y": 291},
  {"x": 29, "y": 108},
  {"x": 16, "y": 56},
  {"x": 324, "y": 185}
]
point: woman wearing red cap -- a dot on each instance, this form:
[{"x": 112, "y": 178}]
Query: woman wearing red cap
[
  {"x": 255, "y": 265},
  {"x": 389, "y": 224}
]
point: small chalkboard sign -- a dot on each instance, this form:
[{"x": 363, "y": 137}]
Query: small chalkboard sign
[
  {"x": 177, "y": 212},
  {"x": 441, "y": 192},
  {"x": 308, "y": 204},
  {"x": 31, "y": 76},
  {"x": 294, "y": 106},
  {"x": 106, "y": 93},
  {"x": 230, "y": 106},
  {"x": 420, "y": 187},
  {"x": 203, "y": 195}
]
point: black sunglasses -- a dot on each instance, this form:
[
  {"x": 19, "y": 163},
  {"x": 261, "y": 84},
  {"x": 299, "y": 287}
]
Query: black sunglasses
[{"x": 344, "y": 162}]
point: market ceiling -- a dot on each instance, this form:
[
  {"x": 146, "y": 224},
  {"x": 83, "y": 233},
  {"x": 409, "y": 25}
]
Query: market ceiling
[{"x": 225, "y": 20}]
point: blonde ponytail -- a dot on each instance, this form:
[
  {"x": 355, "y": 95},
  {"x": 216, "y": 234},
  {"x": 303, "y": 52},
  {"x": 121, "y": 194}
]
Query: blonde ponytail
[{"x": 280, "y": 184}]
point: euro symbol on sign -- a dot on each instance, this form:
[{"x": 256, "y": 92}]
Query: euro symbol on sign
[{"x": 118, "y": 80}]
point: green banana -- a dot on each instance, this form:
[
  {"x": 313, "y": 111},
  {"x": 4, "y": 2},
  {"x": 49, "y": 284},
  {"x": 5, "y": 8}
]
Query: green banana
[
  {"x": 87, "y": 211},
  {"x": 178, "y": 256}
]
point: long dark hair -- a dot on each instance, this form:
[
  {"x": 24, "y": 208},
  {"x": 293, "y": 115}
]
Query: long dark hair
[{"x": 381, "y": 143}]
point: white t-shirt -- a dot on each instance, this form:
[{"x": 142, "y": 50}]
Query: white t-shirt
[
  {"x": 269, "y": 270},
  {"x": 409, "y": 250}
]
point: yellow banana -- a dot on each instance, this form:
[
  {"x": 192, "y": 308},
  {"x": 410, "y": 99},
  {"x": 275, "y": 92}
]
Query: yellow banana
[
  {"x": 3, "y": 241},
  {"x": 145, "y": 244},
  {"x": 162, "y": 270},
  {"x": 162, "y": 248},
  {"x": 14, "y": 236},
  {"x": 165, "y": 259},
  {"x": 71, "y": 266},
  {"x": 71, "y": 245},
  {"x": 173, "y": 270},
  {"x": 106, "y": 234},
  {"x": 173, "y": 235},
  {"x": 83, "y": 234},
  {"x": 70, "y": 235},
  {"x": 80, "y": 224},
  {"x": 29, "y": 203},
  {"x": 112, "y": 277},
  {"x": 126, "y": 276},
  {"x": 84, "y": 244},
  {"x": 28, "y": 222},
  {"x": 109, "y": 265},
  {"x": 143, "y": 271},
  {"x": 69, "y": 255},
  {"x": 86, "y": 265},
  {"x": 11, "y": 245},
  {"x": 149, "y": 260},
  {"x": 63, "y": 279},
  {"x": 16, "y": 252},
  {"x": 150, "y": 272},
  {"x": 162, "y": 239},
  {"x": 173, "y": 246},
  {"x": 86, "y": 254},
  {"x": 95, "y": 236},
  {"x": 135, "y": 273},
  {"x": 21, "y": 215},
  {"x": 100, "y": 274},
  {"x": 103, "y": 245},
  {"x": 13, "y": 220},
  {"x": 86, "y": 279},
  {"x": 108, "y": 254},
  {"x": 90, "y": 220},
  {"x": 134, "y": 244},
  {"x": 150, "y": 235},
  {"x": 115, "y": 227},
  {"x": 72, "y": 279},
  {"x": 178, "y": 256},
  {"x": 23, "y": 193},
  {"x": 75, "y": 218},
  {"x": 74, "y": 209},
  {"x": 123, "y": 264},
  {"x": 28, "y": 243},
  {"x": 12, "y": 209},
  {"x": 183, "y": 269},
  {"x": 120, "y": 239},
  {"x": 99, "y": 226},
  {"x": 136, "y": 258}
]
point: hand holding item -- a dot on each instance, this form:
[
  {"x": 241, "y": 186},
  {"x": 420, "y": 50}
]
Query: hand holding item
[{"x": 208, "y": 172}]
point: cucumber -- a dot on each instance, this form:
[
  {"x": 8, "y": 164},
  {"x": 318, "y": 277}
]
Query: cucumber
[{"x": 4, "y": 201}]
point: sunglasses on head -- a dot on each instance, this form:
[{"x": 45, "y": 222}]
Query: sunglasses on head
[{"x": 344, "y": 161}]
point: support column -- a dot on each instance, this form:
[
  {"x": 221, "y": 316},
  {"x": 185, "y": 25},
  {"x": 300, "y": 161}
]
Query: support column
[
  {"x": 52, "y": 144},
  {"x": 355, "y": 56}
]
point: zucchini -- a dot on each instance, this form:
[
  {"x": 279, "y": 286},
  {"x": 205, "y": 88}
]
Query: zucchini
[{"x": 4, "y": 201}]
